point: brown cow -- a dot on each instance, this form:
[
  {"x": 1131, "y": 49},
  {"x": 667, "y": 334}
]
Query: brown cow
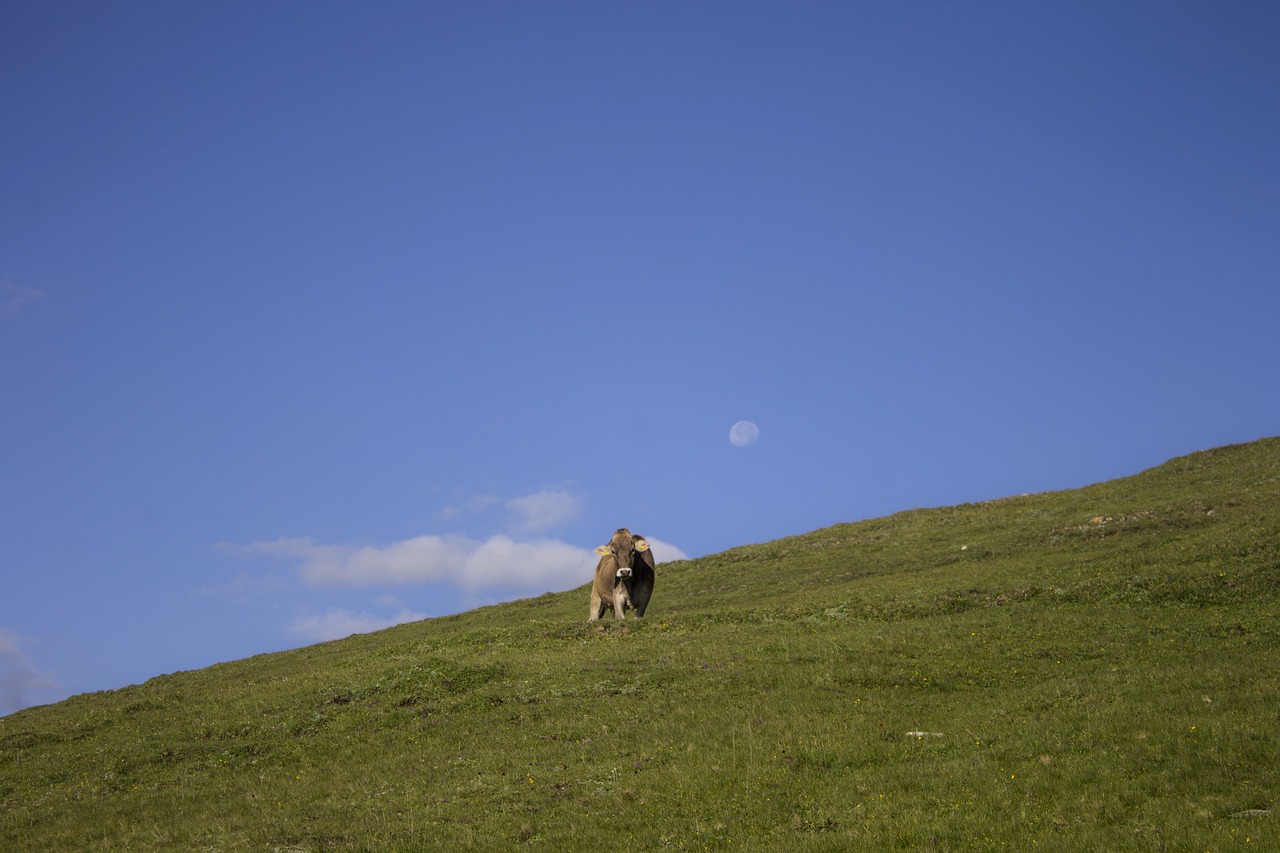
[{"x": 624, "y": 576}]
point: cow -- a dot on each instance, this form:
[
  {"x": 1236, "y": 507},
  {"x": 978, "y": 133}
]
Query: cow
[{"x": 624, "y": 576}]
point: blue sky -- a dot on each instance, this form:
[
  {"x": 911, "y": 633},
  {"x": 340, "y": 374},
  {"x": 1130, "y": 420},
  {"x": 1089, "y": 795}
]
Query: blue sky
[{"x": 318, "y": 317}]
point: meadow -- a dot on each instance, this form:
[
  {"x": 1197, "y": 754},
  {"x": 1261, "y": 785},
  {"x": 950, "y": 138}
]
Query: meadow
[{"x": 1080, "y": 670}]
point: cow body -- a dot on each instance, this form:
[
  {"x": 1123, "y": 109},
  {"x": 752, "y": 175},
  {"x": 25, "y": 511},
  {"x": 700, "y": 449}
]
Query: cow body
[{"x": 624, "y": 576}]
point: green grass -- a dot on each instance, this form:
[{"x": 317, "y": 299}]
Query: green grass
[{"x": 1091, "y": 669}]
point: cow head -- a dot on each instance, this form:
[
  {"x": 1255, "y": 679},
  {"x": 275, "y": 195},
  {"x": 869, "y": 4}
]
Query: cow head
[{"x": 623, "y": 548}]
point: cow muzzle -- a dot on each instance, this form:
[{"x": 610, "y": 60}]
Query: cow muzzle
[{"x": 624, "y": 572}]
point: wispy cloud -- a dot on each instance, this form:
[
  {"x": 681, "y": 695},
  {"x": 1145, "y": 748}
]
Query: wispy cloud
[
  {"x": 536, "y": 513},
  {"x": 21, "y": 684},
  {"x": 14, "y": 298},
  {"x": 245, "y": 587},
  {"x": 336, "y": 623},
  {"x": 544, "y": 510},
  {"x": 470, "y": 507}
]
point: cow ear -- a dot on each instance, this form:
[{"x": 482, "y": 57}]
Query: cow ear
[
  {"x": 641, "y": 545},
  {"x": 602, "y": 550}
]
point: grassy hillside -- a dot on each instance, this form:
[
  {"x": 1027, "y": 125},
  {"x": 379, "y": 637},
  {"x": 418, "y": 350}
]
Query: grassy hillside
[{"x": 1091, "y": 669}]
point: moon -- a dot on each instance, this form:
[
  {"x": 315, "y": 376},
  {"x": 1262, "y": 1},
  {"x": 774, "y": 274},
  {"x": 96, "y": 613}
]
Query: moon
[{"x": 744, "y": 433}]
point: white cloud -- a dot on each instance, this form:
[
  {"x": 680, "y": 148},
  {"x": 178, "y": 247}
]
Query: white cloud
[
  {"x": 21, "y": 684},
  {"x": 497, "y": 563},
  {"x": 502, "y": 567},
  {"x": 664, "y": 552},
  {"x": 337, "y": 623},
  {"x": 544, "y": 510},
  {"x": 14, "y": 298},
  {"x": 547, "y": 564},
  {"x": 418, "y": 560}
]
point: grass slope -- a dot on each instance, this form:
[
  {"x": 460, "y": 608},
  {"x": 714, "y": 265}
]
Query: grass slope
[{"x": 1091, "y": 669}]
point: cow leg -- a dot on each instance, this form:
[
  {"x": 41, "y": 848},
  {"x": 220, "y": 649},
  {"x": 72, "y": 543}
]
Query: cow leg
[
  {"x": 597, "y": 607},
  {"x": 621, "y": 598},
  {"x": 640, "y": 600}
]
